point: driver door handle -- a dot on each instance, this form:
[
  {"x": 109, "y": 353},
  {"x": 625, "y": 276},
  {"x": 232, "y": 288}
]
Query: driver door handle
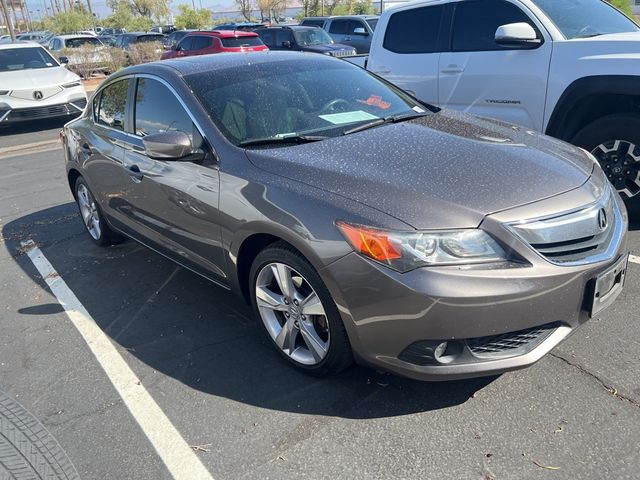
[
  {"x": 453, "y": 69},
  {"x": 135, "y": 173}
]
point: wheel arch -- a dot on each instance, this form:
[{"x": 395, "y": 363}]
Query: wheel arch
[
  {"x": 72, "y": 176},
  {"x": 590, "y": 98},
  {"x": 256, "y": 237}
]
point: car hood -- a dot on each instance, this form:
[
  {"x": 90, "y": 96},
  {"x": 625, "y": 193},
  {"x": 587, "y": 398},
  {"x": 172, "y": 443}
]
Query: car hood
[
  {"x": 36, "y": 78},
  {"x": 326, "y": 47},
  {"x": 445, "y": 170}
]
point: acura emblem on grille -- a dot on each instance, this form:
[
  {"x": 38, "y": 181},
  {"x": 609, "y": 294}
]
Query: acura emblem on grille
[
  {"x": 602, "y": 219},
  {"x": 38, "y": 95}
]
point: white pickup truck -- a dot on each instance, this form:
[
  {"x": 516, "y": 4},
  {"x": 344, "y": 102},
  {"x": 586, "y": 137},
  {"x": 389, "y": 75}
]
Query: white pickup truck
[{"x": 568, "y": 68}]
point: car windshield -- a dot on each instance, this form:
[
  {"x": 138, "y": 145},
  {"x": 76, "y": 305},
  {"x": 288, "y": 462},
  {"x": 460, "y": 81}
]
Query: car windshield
[
  {"x": 312, "y": 36},
  {"x": 372, "y": 23},
  {"x": 81, "y": 42},
  {"x": 586, "y": 18},
  {"x": 25, "y": 59},
  {"x": 294, "y": 98}
]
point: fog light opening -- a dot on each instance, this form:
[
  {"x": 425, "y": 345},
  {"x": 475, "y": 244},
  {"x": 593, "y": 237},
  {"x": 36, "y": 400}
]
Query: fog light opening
[{"x": 447, "y": 352}]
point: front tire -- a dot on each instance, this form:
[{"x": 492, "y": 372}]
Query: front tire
[
  {"x": 615, "y": 142},
  {"x": 296, "y": 311},
  {"x": 91, "y": 216}
]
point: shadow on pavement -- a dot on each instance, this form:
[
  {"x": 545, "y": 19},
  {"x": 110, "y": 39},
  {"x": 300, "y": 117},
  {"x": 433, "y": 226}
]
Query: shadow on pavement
[{"x": 187, "y": 328}]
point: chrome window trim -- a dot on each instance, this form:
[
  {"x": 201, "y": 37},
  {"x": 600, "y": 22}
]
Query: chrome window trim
[
  {"x": 619, "y": 227},
  {"x": 182, "y": 103}
]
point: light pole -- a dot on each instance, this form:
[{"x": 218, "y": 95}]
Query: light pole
[{"x": 5, "y": 11}]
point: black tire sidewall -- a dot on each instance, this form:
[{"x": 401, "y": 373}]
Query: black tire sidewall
[
  {"x": 339, "y": 355},
  {"x": 611, "y": 127}
]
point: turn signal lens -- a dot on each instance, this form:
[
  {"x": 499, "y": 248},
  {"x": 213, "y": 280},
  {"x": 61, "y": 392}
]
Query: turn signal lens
[
  {"x": 406, "y": 250},
  {"x": 370, "y": 242}
]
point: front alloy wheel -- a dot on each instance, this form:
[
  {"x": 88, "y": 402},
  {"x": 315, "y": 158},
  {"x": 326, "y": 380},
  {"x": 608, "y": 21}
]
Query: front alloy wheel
[
  {"x": 292, "y": 313},
  {"x": 296, "y": 311},
  {"x": 92, "y": 218}
]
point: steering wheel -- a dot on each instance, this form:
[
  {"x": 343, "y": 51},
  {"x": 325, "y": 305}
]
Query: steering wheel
[{"x": 334, "y": 105}]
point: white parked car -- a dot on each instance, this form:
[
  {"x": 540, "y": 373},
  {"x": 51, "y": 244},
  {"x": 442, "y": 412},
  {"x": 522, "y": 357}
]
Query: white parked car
[
  {"x": 567, "y": 68},
  {"x": 63, "y": 47},
  {"x": 34, "y": 85}
]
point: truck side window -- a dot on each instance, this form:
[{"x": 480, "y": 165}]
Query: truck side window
[
  {"x": 475, "y": 24},
  {"x": 414, "y": 31}
]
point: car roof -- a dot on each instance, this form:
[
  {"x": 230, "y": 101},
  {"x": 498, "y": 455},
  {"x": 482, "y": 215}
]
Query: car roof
[
  {"x": 222, "y": 33},
  {"x": 19, "y": 44},
  {"x": 365, "y": 17},
  {"x": 184, "y": 66},
  {"x": 289, "y": 27},
  {"x": 77, "y": 35}
]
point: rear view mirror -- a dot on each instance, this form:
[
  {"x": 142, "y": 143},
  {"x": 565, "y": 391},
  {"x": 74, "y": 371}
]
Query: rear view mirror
[
  {"x": 360, "y": 31},
  {"x": 173, "y": 145},
  {"x": 520, "y": 35}
]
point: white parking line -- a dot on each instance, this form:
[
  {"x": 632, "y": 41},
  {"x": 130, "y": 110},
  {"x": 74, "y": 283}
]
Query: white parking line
[
  {"x": 634, "y": 259},
  {"x": 176, "y": 454}
]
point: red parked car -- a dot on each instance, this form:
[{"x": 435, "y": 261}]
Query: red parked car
[{"x": 215, "y": 41}]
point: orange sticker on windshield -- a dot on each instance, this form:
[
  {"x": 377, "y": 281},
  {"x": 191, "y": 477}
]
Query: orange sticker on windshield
[{"x": 376, "y": 101}]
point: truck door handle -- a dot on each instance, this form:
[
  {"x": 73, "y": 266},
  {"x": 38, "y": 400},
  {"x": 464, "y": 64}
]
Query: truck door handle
[
  {"x": 452, "y": 69},
  {"x": 135, "y": 173}
]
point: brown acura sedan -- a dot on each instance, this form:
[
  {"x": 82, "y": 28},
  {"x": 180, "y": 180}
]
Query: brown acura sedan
[{"x": 359, "y": 222}]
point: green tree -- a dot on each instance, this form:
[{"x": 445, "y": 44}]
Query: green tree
[
  {"x": 192, "y": 18},
  {"x": 123, "y": 17},
  {"x": 156, "y": 9},
  {"x": 624, "y": 5},
  {"x": 68, "y": 22}
]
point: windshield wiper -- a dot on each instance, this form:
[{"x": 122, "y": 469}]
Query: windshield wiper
[
  {"x": 282, "y": 139},
  {"x": 381, "y": 121},
  {"x": 589, "y": 35}
]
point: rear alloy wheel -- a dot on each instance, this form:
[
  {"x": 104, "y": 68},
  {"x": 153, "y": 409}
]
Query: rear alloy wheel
[
  {"x": 614, "y": 141},
  {"x": 91, "y": 217},
  {"x": 297, "y": 312}
]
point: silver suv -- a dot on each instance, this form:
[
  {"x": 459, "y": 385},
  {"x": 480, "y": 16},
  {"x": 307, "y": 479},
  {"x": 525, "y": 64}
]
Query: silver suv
[{"x": 354, "y": 30}]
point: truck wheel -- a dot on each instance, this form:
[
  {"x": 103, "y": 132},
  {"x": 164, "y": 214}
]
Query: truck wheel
[{"x": 615, "y": 142}]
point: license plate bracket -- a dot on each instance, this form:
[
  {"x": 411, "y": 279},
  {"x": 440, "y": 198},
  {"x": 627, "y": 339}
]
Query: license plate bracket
[{"x": 608, "y": 285}]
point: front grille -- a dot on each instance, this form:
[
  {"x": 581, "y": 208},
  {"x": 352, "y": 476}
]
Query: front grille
[
  {"x": 512, "y": 343},
  {"x": 583, "y": 236},
  {"x": 341, "y": 53},
  {"x": 46, "y": 112}
]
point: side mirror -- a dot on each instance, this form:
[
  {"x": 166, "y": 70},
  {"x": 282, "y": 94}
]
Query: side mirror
[
  {"x": 520, "y": 35},
  {"x": 173, "y": 145},
  {"x": 360, "y": 31},
  {"x": 63, "y": 60}
]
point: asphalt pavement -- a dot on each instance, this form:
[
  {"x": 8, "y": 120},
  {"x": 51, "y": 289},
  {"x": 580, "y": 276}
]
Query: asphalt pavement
[{"x": 247, "y": 415}]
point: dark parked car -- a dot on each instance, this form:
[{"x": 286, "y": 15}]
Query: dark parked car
[
  {"x": 125, "y": 40},
  {"x": 360, "y": 223},
  {"x": 313, "y": 21},
  {"x": 241, "y": 26},
  {"x": 173, "y": 38},
  {"x": 304, "y": 39},
  {"x": 353, "y": 30},
  {"x": 112, "y": 31}
]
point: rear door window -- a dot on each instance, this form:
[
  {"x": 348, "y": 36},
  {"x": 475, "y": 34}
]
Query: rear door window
[
  {"x": 185, "y": 43},
  {"x": 414, "y": 31},
  {"x": 339, "y": 27},
  {"x": 200, "y": 42},
  {"x": 476, "y": 21},
  {"x": 113, "y": 100}
]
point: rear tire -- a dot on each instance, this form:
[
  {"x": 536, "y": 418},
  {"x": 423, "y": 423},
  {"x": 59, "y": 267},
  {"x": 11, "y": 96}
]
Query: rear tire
[
  {"x": 615, "y": 142},
  {"x": 304, "y": 324},
  {"x": 92, "y": 218}
]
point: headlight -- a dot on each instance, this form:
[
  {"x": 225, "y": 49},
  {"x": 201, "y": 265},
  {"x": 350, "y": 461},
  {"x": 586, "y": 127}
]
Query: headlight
[
  {"x": 404, "y": 251},
  {"x": 77, "y": 83}
]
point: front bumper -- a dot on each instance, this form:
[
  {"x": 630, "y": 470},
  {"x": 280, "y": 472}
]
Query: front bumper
[
  {"x": 8, "y": 115},
  {"x": 493, "y": 318}
]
